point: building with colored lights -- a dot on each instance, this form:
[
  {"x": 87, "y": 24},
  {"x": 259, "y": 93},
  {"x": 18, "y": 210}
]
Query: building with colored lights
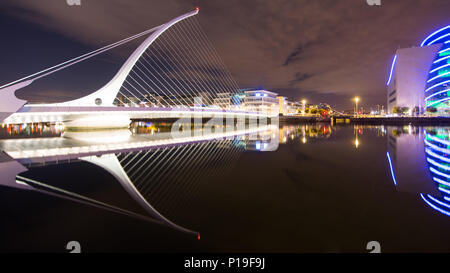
[{"x": 419, "y": 77}]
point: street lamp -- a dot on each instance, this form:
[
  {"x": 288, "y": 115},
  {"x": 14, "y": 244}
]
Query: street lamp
[
  {"x": 304, "y": 106},
  {"x": 356, "y": 105}
]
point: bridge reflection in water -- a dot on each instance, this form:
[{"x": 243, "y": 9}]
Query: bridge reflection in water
[{"x": 159, "y": 171}]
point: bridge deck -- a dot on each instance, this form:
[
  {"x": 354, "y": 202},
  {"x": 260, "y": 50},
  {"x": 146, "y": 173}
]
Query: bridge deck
[{"x": 89, "y": 116}]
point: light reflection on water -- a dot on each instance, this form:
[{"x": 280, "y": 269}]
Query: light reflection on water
[
  {"x": 30, "y": 130},
  {"x": 437, "y": 143},
  {"x": 418, "y": 159},
  {"x": 164, "y": 181}
]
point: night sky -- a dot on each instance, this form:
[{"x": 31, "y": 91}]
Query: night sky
[{"x": 321, "y": 50}]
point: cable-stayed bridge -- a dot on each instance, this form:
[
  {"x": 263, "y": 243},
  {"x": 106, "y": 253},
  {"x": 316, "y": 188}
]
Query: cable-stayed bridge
[{"x": 175, "y": 73}]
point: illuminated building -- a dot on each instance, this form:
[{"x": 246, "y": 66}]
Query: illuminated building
[
  {"x": 419, "y": 77},
  {"x": 282, "y": 104},
  {"x": 260, "y": 100},
  {"x": 293, "y": 107},
  {"x": 287, "y": 107}
]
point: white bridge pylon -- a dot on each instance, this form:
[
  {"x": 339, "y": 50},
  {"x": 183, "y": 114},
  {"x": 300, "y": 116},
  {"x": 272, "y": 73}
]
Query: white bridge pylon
[{"x": 108, "y": 93}]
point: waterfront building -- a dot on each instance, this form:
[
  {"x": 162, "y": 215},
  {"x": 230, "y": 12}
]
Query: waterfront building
[
  {"x": 419, "y": 77},
  {"x": 237, "y": 99},
  {"x": 293, "y": 107},
  {"x": 282, "y": 104},
  {"x": 287, "y": 107},
  {"x": 261, "y": 100}
]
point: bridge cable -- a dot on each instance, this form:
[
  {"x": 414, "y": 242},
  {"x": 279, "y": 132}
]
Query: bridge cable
[{"x": 80, "y": 58}]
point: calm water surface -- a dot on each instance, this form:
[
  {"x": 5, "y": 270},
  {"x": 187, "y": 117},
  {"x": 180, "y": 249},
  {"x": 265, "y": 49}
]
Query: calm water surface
[{"x": 302, "y": 188}]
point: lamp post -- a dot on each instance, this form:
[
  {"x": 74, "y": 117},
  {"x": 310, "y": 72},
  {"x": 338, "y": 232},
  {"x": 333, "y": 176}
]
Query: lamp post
[
  {"x": 304, "y": 106},
  {"x": 356, "y": 105}
]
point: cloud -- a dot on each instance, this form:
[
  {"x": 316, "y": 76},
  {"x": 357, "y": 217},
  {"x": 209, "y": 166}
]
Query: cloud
[
  {"x": 296, "y": 54},
  {"x": 299, "y": 77}
]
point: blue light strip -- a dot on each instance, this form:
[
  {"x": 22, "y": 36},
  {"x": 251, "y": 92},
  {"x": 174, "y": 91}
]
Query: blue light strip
[
  {"x": 434, "y": 33},
  {"x": 394, "y": 61},
  {"x": 437, "y": 93},
  {"x": 442, "y": 141},
  {"x": 433, "y": 170},
  {"x": 436, "y": 69},
  {"x": 392, "y": 169},
  {"x": 435, "y": 207},
  {"x": 447, "y": 198},
  {"x": 429, "y": 152},
  {"x": 432, "y": 162},
  {"x": 438, "y": 201},
  {"x": 438, "y": 76},
  {"x": 441, "y": 59},
  {"x": 440, "y": 181},
  {"x": 444, "y": 190},
  {"x": 436, "y": 102},
  {"x": 435, "y": 40},
  {"x": 437, "y": 148},
  {"x": 445, "y": 50},
  {"x": 436, "y": 85}
]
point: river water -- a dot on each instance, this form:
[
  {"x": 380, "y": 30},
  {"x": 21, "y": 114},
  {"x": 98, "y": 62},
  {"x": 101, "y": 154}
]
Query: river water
[{"x": 293, "y": 188}]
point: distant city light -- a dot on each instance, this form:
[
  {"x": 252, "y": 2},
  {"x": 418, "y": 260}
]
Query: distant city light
[{"x": 356, "y": 105}]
